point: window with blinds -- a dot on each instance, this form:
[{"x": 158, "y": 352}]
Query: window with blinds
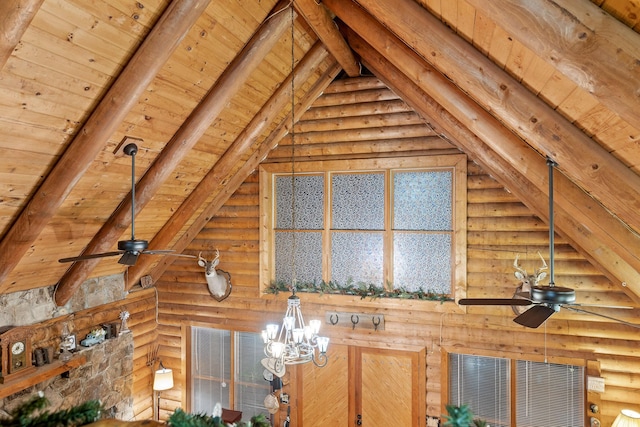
[
  {"x": 483, "y": 384},
  {"x": 549, "y": 395},
  {"x": 505, "y": 392},
  {"x": 213, "y": 381}
]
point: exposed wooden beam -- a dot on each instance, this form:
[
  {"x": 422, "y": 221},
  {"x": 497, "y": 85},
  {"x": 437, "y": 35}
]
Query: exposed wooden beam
[
  {"x": 15, "y": 17},
  {"x": 318, "y": 18},
  {"x": 218, "y": 176},
  {"x": 234, "y": 182},
  {"x": 594, "y": 50},
  {"x": 584, "y": 222},
  {"x": 117, "y": 102},
  {"x": 597, "y": 171},
  {"x": 229, "y": 83}
]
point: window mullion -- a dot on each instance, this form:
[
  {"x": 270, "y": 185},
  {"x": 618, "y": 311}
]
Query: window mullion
[
  {"x": 326, "y": 233},
  {"x": 513, "y": 391},
  {"x": 233, "y": 351},
  {"x": 388, "y": 231}
]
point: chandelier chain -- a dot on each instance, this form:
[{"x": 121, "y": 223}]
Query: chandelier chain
[{"x": 293, "y": 157}]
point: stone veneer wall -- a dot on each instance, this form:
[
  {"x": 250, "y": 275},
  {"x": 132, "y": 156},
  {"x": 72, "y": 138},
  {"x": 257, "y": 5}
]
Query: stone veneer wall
[
  {"x": 106, "y": 376},
  {"x": 37, "y": 305}
]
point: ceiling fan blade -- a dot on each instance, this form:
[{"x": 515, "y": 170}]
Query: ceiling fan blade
[
  {"x": 91, "y": 256},
  {"x": 624, "y": 322},
  {"x": 182, "y": 255},
  {"x": 535, "y": 316},
  {"x": 129, "y": 258},
  {"x": 493, "y": 301},
  {"x": 167, "y": 252},
  {"x": 617, "y": 307}
]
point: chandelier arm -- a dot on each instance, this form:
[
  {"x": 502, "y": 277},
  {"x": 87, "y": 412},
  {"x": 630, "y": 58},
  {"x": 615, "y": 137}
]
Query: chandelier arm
[{"x": 321, "y": 360}]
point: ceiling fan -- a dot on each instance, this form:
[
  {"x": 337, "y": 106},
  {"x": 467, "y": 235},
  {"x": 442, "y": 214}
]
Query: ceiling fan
[
  {"x": 130, "y": 249},
  {"x": 543, "y": 301}
]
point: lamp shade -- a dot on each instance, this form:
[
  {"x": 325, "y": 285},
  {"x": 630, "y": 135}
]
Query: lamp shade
[
  {"x": 163, "y": 379},
  {"x": 627, "y": 418}
]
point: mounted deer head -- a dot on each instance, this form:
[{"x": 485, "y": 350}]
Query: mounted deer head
[
  {"x": 527, "y": 282},
  {"x": 218, "y": 281}
]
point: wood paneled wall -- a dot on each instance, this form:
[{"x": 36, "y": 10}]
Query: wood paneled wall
[{"x": 499, "y": 227}]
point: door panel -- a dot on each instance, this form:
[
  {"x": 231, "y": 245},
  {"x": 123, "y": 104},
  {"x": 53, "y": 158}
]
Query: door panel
[
  {"x": 384, "y": 387},
  {"x": 325, "y": 391},
  {"x": 392, "y": 387}
]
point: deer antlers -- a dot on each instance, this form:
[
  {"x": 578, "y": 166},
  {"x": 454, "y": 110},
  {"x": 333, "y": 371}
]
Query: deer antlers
[{"x": 531, "y": 280}]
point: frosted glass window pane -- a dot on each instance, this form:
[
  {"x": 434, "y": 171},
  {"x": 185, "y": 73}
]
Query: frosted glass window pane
[
  {"x": 357, "y": 256},
  {"x": 422, "y": 200},
  {"x": 309, "y": 202},
  {"x": 358, "y": 201},
  {"x": 251, "y": 388},
  {"x": 308, "y": 260},
  {"x": 483, "y": 383},
  {"x": 211, "y": 368},
  {"x": 549, "y": 394},
  {"x": 422, "y": 262}
]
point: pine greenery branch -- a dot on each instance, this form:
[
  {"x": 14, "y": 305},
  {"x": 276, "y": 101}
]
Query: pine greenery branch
[
  {"x": 361, "y": 289},
  {"x": 79, "y": 415},
  {"x": 179, "y": 418},
  {"x": 21, "y": 415},
  {"x": 458, "y": 416},
  {"x": 25, "y": 414}
]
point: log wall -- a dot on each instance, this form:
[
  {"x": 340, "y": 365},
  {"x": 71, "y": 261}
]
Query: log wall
[{"x": 499, "y": 227}]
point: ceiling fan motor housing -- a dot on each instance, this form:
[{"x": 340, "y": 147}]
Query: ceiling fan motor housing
[
  {"x": 553, "y": 294},
  {"x": 135, "y": 246}
]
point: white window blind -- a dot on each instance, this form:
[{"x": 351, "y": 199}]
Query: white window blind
[
  {"x": 210, "y": 369},
  {"x": 482, "y": 383},
  {"x": 546, "y": 394},
  {"x": 211, "y": 377},
  {"x": 549, "y": 395}
]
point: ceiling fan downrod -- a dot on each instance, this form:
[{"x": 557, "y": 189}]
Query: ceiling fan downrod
[
  {"x": 131, "y": 150},
  {"x": 551, "y": 164},
  {"x": 132, "y": 247}
]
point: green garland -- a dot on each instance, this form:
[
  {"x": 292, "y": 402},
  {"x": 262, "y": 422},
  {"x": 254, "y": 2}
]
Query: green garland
[
  {"x": 30, "y": 414},
  {"x": 361, "y": 289},
  {"x": 23, "y": 416},
  {"x": 182, "y": 419}
]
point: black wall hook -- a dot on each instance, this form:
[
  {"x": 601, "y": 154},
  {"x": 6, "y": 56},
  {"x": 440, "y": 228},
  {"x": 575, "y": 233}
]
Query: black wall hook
[
  {"x": 376, "y": 322},
  {"x": 356, "y": 321}
]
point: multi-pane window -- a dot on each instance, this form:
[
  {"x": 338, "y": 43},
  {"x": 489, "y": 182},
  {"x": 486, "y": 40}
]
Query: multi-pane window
[
  {"x": 226, "y": 369},
  {"x": 400, "y": 225},
  {"x": 507, "y": 392}
]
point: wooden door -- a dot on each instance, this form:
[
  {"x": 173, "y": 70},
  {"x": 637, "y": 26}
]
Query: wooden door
[
  {"x": 389, "y": 387},
  {"x": 384, "y": 387},
  {"x": 325, "y": 391}
]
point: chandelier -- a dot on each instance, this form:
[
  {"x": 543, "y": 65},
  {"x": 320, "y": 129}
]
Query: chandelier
[{"x": 294, "y": 342}]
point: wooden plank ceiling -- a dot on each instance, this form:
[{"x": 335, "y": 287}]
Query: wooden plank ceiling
[{"x": 205, "y": 87}]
